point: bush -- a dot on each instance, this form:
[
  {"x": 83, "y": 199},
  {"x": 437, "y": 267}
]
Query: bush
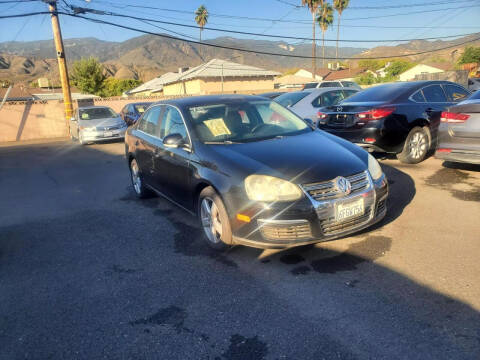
[
  {"x": 470, "y": 55},
  {"x": 365, "y": 79},
  {"x": 116, "y": 87},
  {"x": 88, "y": 76}
]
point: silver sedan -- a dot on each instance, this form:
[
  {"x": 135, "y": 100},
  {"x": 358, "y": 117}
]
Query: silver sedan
[
  {"x": 307, "y": 103},
  {"x": 96, "y": 123}
]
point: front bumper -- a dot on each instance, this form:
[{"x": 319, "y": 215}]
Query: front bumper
[
  {"x": 309, "y": 221},
  {"x": 95, "y": 136}
]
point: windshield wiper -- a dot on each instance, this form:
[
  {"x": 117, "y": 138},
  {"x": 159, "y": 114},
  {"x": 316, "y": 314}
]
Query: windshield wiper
[{"x": 226, "y": 142}]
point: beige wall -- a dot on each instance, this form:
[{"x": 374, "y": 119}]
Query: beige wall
[{"x": 417, "y": 70}]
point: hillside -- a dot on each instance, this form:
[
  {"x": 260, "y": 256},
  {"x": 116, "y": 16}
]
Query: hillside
[{"x": 147, "y": 56}]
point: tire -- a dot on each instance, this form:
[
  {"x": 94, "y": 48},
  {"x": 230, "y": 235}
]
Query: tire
[
  {"x": 416, "y": 146},
  {"x": 214, "y": 220},
  {"x": 80, "y": 139},
  {"x": 141, "y": 191}
]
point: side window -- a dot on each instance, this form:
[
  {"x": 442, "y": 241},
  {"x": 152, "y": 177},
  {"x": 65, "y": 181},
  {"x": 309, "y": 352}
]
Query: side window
[
  {"x": 328, "y": 98},
  {"x": 418, "y": 97},
  {"x": 455, "y": 93},
  {"x": 149, "y": 121},
  {"x": 348, "y": 93},
  {"x": 172, "y": 123},
  {"x": 434, "y": 93}
]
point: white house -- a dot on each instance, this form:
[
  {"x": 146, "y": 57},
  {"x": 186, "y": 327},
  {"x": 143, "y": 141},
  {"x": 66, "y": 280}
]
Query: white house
[
  {"x": 410, "y": 74},
  {"x": 307, "y": 74}
]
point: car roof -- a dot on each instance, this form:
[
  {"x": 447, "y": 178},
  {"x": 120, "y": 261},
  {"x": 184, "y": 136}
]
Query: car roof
[
  {"x": 321, "y": 90},
  {"x": 210, "y": 100}
]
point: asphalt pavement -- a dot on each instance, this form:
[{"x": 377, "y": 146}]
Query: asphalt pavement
[{"x": 87, "y": 271}]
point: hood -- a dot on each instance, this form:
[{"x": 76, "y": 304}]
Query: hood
[
  {"x": 107, "y": 122},
  {"x": 311, "y": 157}
]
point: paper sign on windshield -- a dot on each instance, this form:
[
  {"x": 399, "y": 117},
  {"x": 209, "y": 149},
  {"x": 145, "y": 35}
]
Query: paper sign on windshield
[{"x": 217, "y": 127}]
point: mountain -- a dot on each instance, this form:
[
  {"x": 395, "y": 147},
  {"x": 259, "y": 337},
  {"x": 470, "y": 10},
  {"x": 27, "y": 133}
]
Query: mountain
[{"x": 148, "y": 56}]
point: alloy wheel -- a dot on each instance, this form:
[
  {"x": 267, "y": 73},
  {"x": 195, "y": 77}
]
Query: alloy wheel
[
  {"x": 211, "y": 223},
  {"x": 418, "y": 145},
  {"x": 136, "y": 180}
]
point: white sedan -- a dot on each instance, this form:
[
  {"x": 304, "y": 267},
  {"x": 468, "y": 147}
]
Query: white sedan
[{"x": 306, "y": 103}]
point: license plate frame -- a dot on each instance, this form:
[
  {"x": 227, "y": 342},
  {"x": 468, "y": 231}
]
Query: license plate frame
[{"x": 349, "y": 210}]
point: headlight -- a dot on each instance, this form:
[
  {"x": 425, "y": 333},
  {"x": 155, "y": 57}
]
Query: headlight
[
  {"x": 269, "y": 188},
  {"x": 374, "y": 168}
]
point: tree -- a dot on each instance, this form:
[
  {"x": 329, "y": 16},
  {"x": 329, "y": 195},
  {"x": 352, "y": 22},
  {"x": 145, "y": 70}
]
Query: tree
[
  {"x": 88, "y": 76},
  {"x": 116, "y": 87},
  {"x": 201, "y": 18},
  {"x": 366, "y": 78},
  {"x": 372, "y": 65},
  {"x": 397, "y": 67},
  {"x": 471, "y": 54},
  {"x": 340, "y": 6},
  {"x": 325, "y": 19},
  {"x": 313, "y": 6}
]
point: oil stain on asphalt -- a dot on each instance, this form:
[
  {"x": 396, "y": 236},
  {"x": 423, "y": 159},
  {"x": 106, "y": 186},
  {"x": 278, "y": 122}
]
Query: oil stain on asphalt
[
  {"x": 242, "y": 348},
  {"x": 172, "y": 316},
  {"x": 445, "y": 178}
]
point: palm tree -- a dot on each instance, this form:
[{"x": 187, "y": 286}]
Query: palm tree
[
  {"x": 324, "y": 19},
  {"x": 339, "y": 5},
  {"x": 201, "y": 18},
  {"x": 313, "y": 6}
]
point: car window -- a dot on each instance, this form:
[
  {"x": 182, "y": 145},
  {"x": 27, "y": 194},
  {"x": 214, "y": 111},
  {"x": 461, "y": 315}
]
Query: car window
[
  {"x": 290, "y": 99},
  {"x": 330, "y": 84},
  {"x": 348, "y": 93},
  {"x": 95, "y": 113},
  {"x": 149, "y": 121},
  {"x": 456, "y": 93},
  {"x": 311, "y": 85},
  {"x": 434, "y": 93},
  {"x": 475, "y": 95},
  {"x": 418, "y": 97},
  {"x": 172, "y": 123},
  {"x": 328, "y": 98}
]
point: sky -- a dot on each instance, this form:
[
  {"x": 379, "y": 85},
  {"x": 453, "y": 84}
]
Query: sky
[{"x": 443, "y": 19}]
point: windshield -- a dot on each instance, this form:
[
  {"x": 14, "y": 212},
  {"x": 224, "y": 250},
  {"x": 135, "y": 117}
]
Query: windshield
[
  {"x": 312, "y": 85},
  {"x": 96, "y": 113},
  {"x": 245, "y": 121},
  {"x": 140, "y": 108},
  {"x": 290, "y": 99}
]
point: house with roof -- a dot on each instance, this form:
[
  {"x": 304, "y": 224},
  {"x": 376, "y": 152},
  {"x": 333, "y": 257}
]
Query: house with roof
[
  {"x": 219, "y": 76},
  {"x": 154, "y": 86},
  {"x": 344, "y": 74},
  {"x": 420, "y": 69},
  {"x": 319, "y": 76}
]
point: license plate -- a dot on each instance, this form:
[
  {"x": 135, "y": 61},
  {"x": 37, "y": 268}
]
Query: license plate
[
  {"x": 349, "y": 210},
  {"x": 107, "y": 134}
]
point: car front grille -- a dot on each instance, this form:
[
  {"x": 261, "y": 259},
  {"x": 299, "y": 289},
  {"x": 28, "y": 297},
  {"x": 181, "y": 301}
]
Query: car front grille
[
  {"x": 331, "y": 226},
  {"x": 108, "y": 128},
  {"x": 273, "y": 231},
  {"x": 327, "y": 190}
]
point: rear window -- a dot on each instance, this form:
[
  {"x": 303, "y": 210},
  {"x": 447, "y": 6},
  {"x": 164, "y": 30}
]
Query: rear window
[
  {"x": 379, "y": 93},
  {"x": 312, "y": 85},
  {"x": 434, "y": 93},
  {"x": 330, "y": 84},
  {"x": 456, "y": 93},
  {"x": 290, "y": 99}
]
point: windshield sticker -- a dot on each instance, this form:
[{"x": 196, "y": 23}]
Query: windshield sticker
[
  {"x": 85, "y": 116},
  {"x": 217, "y": 127}
]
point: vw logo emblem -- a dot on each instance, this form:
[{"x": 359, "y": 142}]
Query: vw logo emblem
[
  {"x": 339, "y": 108},
  {"x": 343, "y": 185}
]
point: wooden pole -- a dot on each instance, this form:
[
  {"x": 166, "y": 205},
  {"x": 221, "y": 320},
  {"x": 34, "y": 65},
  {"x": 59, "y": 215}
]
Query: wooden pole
[{"x": 62, "y": 63}]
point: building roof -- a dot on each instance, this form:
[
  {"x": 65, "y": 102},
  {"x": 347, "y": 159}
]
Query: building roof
[
  {"x": 441, "y": 66},
  {"x": 292, "y": 80},
  {"x": 154, "y": 85},
  {"x": 219, "y": 68},
  {"x": 343, "y": 74},
  {"x": 18, "y": 93}
]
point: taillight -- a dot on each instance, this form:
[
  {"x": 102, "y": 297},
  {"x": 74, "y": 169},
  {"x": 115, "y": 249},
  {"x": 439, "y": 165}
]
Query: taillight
[
  {"x": 449, "y": 117},
  {"x": 375, "y": 114},
  {"x": 321, "y": 116},
  {"x": 445, "y": 150}
]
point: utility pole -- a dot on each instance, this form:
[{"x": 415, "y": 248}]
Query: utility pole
[{"x": 62, "y": 63}]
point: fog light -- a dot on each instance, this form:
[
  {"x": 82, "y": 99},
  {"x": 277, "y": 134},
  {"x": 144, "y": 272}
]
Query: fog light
[{"x": 244, "y": 218}]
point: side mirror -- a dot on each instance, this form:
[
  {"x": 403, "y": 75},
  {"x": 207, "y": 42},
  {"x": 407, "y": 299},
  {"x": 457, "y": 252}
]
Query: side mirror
[
  {"x": 309, "y": 122},
  {"x": 173, "y": 141}
]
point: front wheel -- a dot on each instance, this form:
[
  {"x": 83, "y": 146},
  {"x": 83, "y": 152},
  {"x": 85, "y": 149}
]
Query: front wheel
[
  {"x": 214, "y": 219},
  {"x": 416, "y": 146}
]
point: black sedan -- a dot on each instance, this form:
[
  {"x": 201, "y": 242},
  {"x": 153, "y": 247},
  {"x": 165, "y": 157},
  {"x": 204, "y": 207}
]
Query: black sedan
[
  {"x": 254, "y": 172},
  {"x": 131, "y": 112},
  {"x": 400, "y": 118},
  {"x": 459, "y": 132}
]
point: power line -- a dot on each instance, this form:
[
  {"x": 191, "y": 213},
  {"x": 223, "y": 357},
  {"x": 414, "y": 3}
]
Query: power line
[
  {"x": 101, "y": 12},
  {"x": 388, "y": 6}
]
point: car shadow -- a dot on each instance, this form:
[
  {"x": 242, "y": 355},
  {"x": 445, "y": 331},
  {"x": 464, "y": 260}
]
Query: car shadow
[{"x": 461, "y": 166}]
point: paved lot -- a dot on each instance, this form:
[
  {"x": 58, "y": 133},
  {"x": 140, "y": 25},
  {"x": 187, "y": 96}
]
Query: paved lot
[{"x": 87, "y": 271}]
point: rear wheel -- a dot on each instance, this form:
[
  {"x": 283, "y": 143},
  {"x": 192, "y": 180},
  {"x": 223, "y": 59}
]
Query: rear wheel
[
  {"x": 214, "y": 219},
  {"x": 137, "y": 181},
  {"x": 416, "y": 146}
]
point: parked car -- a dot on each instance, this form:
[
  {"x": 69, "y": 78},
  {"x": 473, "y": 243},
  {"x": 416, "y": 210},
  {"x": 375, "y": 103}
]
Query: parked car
[
  {"x": 459, "y": 132},
  {"x": 131, "y": 112},
  {"x": 307, "y": 103},
  {"x": 254, "y": 172},
  {"x": 330, "y": 84},
  {"x": 272, "y": 95},
  {"x": 96, "y": 123},
  {"x": 400, "y": 118},
  {"x": 474, "y": 84}
]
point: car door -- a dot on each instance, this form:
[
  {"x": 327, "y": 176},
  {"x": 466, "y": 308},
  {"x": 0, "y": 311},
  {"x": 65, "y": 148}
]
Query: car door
[
  {"x": 147, "y": 140},
  {"x": 436, "y": 102},
  {"x": 172, "y": 165}
]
